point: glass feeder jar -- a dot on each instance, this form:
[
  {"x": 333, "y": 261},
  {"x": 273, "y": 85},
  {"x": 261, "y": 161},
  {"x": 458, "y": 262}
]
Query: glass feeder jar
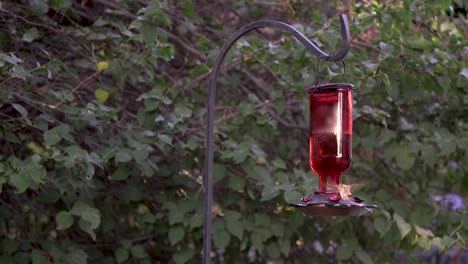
[{"x": 330, "y": 141}]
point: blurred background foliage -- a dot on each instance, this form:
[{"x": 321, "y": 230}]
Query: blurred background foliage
[{"x": 103, "y": 115}]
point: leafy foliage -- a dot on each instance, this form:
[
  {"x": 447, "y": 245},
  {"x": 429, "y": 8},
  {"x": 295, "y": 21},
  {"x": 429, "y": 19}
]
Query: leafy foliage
[{"x": 103, "y": 111}]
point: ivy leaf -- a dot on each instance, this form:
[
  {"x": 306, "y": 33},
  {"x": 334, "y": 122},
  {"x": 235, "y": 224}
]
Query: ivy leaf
[{"x": 64, "y": 220}]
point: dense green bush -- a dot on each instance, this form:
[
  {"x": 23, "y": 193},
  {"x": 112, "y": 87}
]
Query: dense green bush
[{"x": 102, "y": 124}]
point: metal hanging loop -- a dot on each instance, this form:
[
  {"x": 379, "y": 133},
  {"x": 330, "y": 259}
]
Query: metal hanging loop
[
  {"x": 208, "y": 179},
  {"x": 344, "y": 70},
  {"x": 317, "y": 74}
]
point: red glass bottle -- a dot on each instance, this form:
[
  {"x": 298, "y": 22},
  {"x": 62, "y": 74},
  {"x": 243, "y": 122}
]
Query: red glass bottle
[{"x": 331, "y": 124}]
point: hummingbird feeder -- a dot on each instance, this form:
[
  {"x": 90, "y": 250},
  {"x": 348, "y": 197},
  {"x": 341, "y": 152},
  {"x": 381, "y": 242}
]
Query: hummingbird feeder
[{"x": 330, "y": 141}]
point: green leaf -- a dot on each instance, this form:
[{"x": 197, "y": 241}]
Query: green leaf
[
  {"x": 279, "y": 163},
  {"x": 363, "y": 256},
  {"x": 64, "y": 220},
  {"x": 2, "y": 181},
  {"x": 240, "y": 153},
  {"x": 219, "y": 172},
  {"x": 464, "y": 73},
  {"x": 196, "y": 221},
  {"x": 10, "y": 58},
  {"x": 403, "y": 226},
  {"x": 39, "y": 6},
  {"x": 123, "y": 155},
  {"x": 30, "y": 35},
  {"x": 183, "y": 111},
  {"x": 38, "y": 257},
  {"x": 221, "y": 239},
  {"x": 86, "y": 227},
  {"x": 121, "y": 255},
  {"x": 150, "y": 33},
  {"x": 292, "y": 196},
  {"x": 175, "y": 216},
  {"x": 102, "y": 66},
  {"x": 101, "y": 95},
  {"x": 429, "y": 155},
  {"x": 21, "y": 181},
  {"x": 447, "y": 145},
  {"x": 87, "y": 213},
  {"x": 344, "y": 252},
  {"x": 269, "y": 192},
  {"x": 120, "y": 174},
  {"x": 262, "y": 220},
  {"x": 382, "y": 225},
  {"x": 19, "y": 72},
  {"x": 235, "y": 227},
  {"x": 176, "y": 233},
  {"x": 404, "y": 159},
  {"x": 182, "y": 256},
  {"x": 52, "y": 137},
  {"x": 138, "y": 251},
  {"x": 20, "y": 109},
  {"x": 392, "y": 87},
  {"x": 166, "y": 139},
  {"x": 140, "y": 155},
  {"x": 77, "y": 256}
]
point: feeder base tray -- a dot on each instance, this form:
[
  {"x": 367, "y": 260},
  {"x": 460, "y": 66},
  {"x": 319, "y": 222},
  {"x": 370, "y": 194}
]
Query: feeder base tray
[{"x": 326, "y": 204}]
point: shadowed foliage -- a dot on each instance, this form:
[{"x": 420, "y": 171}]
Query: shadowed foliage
[{"x": 103, "y": 116}]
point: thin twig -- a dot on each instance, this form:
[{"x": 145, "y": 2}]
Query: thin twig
[
  {"x": 75, "y": 89},
  {"x": 186, "y": 46},
  {"x": 366, "y": 45}
]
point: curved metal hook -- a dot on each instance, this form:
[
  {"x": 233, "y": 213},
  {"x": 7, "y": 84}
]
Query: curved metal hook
[{"x": 208, "y": 180}]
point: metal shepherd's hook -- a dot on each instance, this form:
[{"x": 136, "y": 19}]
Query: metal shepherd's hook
[{"x": 208, "y": 180}]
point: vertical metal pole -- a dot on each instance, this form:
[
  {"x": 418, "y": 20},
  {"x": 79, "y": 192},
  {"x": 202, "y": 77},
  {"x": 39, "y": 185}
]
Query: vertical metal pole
[{"x": 208, "y": 180}]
